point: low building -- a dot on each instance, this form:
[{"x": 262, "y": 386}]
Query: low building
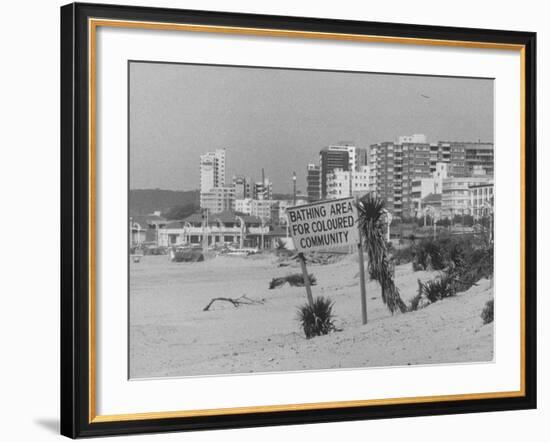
[
  {"x": 481, "y": 199},
  {"x": 144, "y": 229},
  {"x": 216, "y": 229},
  {"x": 456, "y": 194}
]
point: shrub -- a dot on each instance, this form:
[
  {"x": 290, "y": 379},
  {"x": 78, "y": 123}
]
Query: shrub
[
  {"x": 295, "y": 280},
  {"x": 429, "y": 256},
  {"x": 317, "y": 319},
  {"x": 403, "y": 255},
  {"x": 487, "y": 312},
  {"x": 438, "y": 289}
]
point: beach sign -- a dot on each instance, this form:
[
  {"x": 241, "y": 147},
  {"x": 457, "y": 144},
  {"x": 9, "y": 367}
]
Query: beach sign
[{"x": 324, "y": 225}]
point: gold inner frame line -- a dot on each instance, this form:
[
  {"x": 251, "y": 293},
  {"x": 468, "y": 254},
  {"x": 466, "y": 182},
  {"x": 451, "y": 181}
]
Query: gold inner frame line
[{"x": 93, "y": 24}]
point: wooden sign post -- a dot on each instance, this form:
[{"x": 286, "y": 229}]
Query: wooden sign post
[
  {"x": 307, "y": 282},
  {"x": 362, "y": 281}
]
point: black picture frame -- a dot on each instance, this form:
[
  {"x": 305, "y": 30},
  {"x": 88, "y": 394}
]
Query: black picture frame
[{"x": 75, "y": 220}]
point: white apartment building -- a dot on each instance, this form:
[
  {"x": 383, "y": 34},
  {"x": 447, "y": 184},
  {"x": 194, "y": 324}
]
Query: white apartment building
[
  {"x": 212, "y": 172},
  {"x": 343, "y": 183},
  {"x": 456, "y": 197},
  {"x": 481, "y": 199}
]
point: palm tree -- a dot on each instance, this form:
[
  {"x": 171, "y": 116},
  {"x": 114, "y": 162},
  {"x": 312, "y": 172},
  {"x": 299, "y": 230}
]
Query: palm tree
[{"x": 371, "y": 212}]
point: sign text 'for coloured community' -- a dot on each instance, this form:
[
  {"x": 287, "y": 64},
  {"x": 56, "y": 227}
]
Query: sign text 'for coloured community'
[{"x": 326, "y": 225}]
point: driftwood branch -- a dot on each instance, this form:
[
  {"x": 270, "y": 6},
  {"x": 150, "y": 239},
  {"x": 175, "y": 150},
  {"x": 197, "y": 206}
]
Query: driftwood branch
[{"x": 237, "y": 302}]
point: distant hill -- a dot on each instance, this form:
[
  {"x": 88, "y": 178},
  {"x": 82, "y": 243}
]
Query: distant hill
[{"x": 145, "y": 201}]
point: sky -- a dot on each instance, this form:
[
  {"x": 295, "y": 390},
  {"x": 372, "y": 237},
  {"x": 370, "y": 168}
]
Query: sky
[{"x": 279, "y": 119}]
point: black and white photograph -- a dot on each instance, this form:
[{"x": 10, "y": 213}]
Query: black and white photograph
[{"x": 287, "y": 220}]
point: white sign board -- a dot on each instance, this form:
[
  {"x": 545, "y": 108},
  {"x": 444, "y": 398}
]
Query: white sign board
[{"x": 326, "y": 225}]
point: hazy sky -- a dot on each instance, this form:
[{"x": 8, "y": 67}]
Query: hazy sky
[{"x": 279, "y": 119}]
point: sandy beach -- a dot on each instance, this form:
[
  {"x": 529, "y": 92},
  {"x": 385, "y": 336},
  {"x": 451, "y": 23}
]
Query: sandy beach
[{"x": 171, "y": 335}]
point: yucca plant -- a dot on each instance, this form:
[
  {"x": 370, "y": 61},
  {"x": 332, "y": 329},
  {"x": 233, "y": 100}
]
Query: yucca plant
[
  {"x": 280, "y": 245},
  {"x": 317, "y": 319},
  {"x": 371, "y": 212},
  {"x": 436, "y": 289}
]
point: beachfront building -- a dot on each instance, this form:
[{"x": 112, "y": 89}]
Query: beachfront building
[
  {"x": 481, "y": 199},
  {"x": 218, "y": 199},
  {"x": 396, "y": 165},
  {"x": 144, "y": 229},
  {"x": 212, "y": 172},
  {"x": 456, "y": 198},
  {"x": 313, "y": 182},
  {"x": 223, "y": 228}
]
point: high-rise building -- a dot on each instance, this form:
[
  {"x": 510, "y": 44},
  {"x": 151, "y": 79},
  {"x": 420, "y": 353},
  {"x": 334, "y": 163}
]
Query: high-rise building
[
  {"x": 242, "y": 184},
  {"x": 212, "y": 171},
  {"x": 362, "y": 157},
  {"x": 313, "y": 182},
  {"x": 350, "y": 148},
  {"x": 331, "y": 159},
  {"x": 395, "y": 166},
  {"x": 262, "y": 190}
]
